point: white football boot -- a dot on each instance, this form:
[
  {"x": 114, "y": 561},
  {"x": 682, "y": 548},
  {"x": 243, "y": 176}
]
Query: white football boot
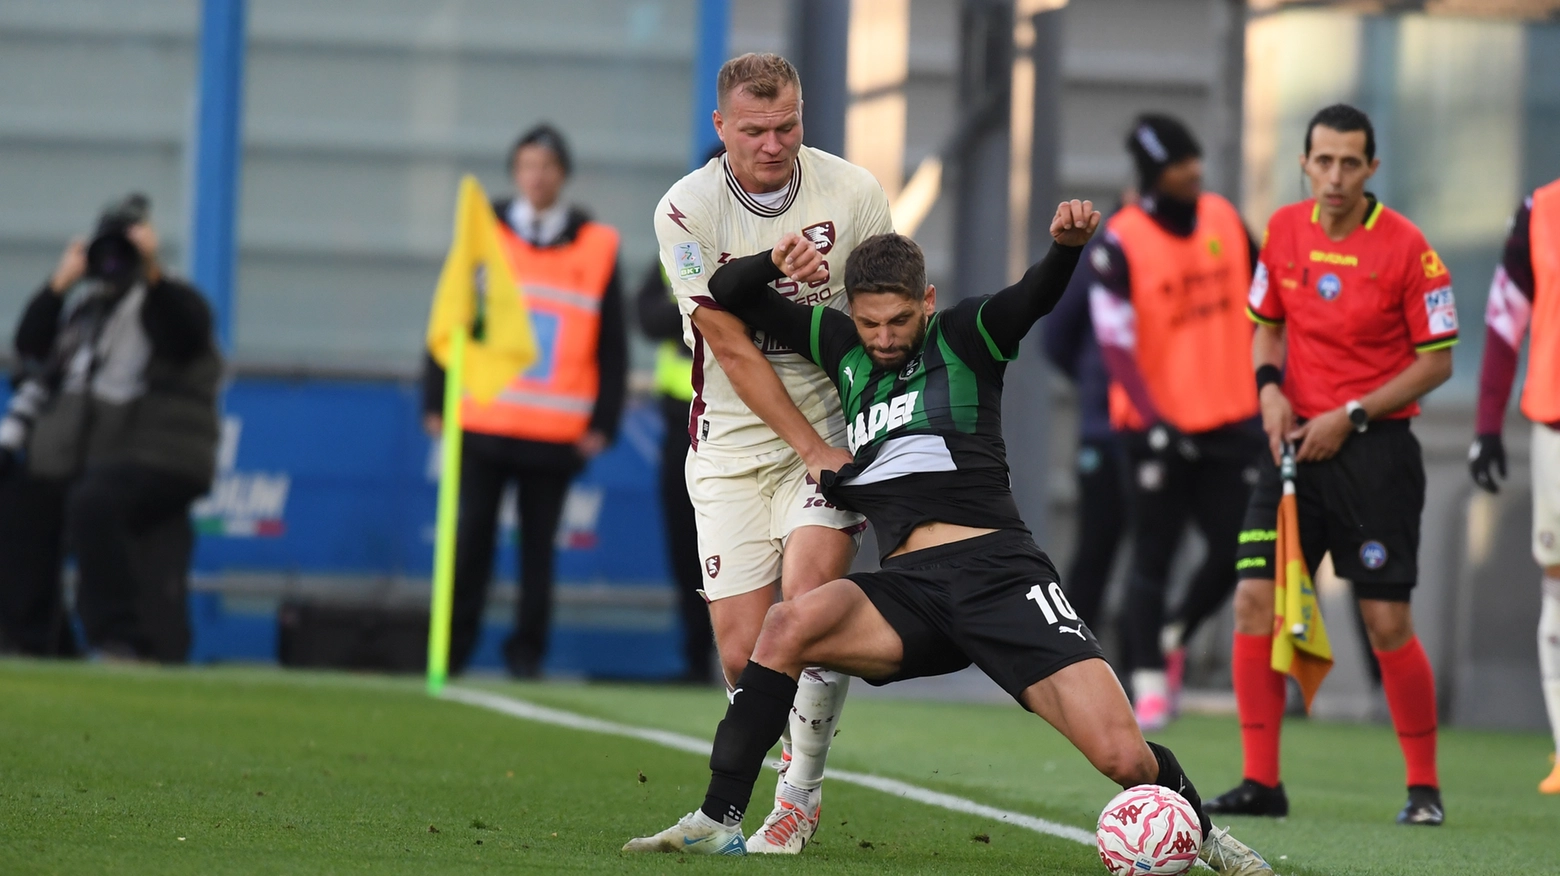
[
  {"x": 788, "y": 828},
  {"x": 1229, "y": 856},
  {"x": 695, "y": 834}
]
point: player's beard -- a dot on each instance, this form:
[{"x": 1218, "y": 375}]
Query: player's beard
[{"x": 894, "y": 358}]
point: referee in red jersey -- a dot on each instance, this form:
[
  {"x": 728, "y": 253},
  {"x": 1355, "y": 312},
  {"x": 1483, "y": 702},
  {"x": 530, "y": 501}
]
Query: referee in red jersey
[{"x": 1363, "y": 306}]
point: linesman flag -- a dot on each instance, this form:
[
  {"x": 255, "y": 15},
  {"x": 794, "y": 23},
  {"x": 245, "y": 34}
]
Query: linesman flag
[
  {"x": 1300, "y": 646},
  {"x": 477, "y": 291}
]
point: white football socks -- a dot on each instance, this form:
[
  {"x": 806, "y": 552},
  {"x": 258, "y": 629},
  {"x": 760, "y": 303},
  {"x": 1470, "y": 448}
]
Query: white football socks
[
  {"x": 1549, "y": 653},
  {"x": 820, "y": 695}
]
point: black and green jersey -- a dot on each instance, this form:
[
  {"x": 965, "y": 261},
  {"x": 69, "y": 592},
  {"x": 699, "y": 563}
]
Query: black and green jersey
[{"x": 927, "y": 438}]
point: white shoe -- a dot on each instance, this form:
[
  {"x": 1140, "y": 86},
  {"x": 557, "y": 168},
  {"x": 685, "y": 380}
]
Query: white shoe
[
  {"x": 695, "y": 834},
  {"x": 1229, "y": 856},
  {"x": 787, "y": 830}
]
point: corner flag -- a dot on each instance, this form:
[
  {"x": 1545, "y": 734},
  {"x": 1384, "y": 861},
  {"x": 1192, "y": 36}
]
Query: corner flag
[
  {"x": 476, "y": 290},
  {"x": 1300, "y": 646}
]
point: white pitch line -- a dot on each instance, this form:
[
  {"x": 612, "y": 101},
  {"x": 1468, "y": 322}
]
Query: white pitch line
[{"x": 557, "y": 717}]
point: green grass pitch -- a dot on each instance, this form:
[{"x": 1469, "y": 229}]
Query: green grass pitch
[{"x": 129, "y": 770}]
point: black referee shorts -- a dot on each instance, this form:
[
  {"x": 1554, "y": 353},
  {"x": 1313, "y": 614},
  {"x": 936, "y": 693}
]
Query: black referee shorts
[
  {"x": 994, "y": 600},
  {"x": 1362, "y": 506}
]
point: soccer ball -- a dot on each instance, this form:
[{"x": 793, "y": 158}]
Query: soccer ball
[{"x": 1148, "y": 830}]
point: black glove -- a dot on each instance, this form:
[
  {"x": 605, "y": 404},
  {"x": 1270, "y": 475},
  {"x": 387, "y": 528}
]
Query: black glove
[{"x": 1487, "y": 453}]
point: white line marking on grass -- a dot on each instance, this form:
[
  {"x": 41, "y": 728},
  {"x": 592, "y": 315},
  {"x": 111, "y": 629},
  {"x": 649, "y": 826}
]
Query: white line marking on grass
[{"x": 557, "y": 717}]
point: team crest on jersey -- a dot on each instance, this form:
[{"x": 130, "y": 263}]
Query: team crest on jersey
[
  {"x": 1329, "y": 286},
  {"x": 1373, "y": 555},
  {"x": 712, "y": 566},
  {"x": 911, "y": 367},
  {"x": 821, "y": 235}
]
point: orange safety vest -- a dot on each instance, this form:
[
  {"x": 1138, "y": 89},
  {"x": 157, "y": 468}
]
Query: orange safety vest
[
  {"x": 563, "y": 288},
  {"x": 1193, "y": 337},
  {"x": 1541, "y": 395}
]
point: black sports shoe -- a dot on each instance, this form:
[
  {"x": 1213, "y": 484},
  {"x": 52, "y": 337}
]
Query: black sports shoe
[
  {"x": 1423, "y": 807},
  {"x": 1250, "y": 798}
]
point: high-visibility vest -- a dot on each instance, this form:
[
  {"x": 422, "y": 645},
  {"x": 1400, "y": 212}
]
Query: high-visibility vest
[
  {"x": 1193, "y": 337},
  {"x": 1541, "y": 395},
  {"x": 563, "y": 287},
  {"x": 674, "y": 371}
]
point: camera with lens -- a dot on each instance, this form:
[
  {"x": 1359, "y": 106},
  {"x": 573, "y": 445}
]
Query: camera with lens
[{"x": 112, "y": 256}]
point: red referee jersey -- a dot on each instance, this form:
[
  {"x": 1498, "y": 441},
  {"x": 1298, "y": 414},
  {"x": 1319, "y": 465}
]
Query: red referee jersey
[{"x": 1357, "y": 310}]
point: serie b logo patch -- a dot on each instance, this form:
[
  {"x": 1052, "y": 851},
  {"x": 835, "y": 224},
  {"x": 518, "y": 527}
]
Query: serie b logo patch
[
  {"x": 1373, "y": 555},
  {"x": 712, "y": 566}
]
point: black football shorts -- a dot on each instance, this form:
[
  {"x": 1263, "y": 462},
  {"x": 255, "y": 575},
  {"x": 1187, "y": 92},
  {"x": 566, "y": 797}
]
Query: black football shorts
[
  {"x": 1362, "y": 506},
  {"x": 994, "y": 600}
]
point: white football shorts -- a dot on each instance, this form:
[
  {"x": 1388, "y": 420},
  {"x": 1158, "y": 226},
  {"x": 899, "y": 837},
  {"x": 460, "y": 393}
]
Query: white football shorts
[{"x": 745, "y": 510}]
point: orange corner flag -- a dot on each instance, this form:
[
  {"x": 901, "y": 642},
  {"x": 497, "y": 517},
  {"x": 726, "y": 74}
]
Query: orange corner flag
[
  {"x": 477, "y": 290},
  {"x": 1300, "y": 646}
]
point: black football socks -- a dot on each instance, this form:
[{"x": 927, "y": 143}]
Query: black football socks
[
  {"x": 760, "y": 706},
  {"x": 1173, "y": 777}
]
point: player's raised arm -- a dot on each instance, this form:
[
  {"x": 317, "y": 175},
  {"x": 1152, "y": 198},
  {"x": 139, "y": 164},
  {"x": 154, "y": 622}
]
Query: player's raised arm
[
  {"x": 1008, "y": 315},
  {"x": 743, "y": 287}
]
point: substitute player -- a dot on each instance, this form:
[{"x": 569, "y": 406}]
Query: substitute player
[
  {"x": 1168, "y": 304},
  {"x": 962, "y": 579},
  {"x": 762, "y": 414},
  {"x": 1526, "y": 289},
  {"x": 1365, "y": 308}
]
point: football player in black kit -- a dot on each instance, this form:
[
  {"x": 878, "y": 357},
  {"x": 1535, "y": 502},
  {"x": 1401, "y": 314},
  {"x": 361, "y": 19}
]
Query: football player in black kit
[{"x": 962, "y": 580}]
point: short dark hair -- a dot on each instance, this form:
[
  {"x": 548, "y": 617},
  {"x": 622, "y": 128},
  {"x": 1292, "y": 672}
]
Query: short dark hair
[
  {"x": 1343, "y": 118},
  {"x": 544, "y": 135},
  {"x": 886, "y": 263}
]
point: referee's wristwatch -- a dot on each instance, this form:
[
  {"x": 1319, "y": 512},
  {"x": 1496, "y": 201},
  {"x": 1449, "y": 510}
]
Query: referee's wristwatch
[{"x": 1357, "y": 415}]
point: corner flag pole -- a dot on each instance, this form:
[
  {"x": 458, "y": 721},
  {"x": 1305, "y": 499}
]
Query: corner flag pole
[{"x": 444, "y": 531}]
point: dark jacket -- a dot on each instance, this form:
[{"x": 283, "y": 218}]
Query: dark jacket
[{"x": 146, "y": 395}]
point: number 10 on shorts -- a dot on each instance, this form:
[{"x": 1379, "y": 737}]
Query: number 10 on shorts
[{"x": 1062, "y": 605}]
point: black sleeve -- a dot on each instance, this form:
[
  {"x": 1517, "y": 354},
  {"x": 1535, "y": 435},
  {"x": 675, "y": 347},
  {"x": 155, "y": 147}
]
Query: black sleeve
[
  {"x": 432, "y": 386},
  {"x": 177, "y": 320},
  {"x": 1252, "y": 249},
  {"x": 1006, "y": 317},
  {"x": 1517, "y": 257},
  {"x": 611, "y": 359},
  {"x": 659, "y": 317},
  {"x": 822, "y": 335},
  {"x": 40, "y": 324}
]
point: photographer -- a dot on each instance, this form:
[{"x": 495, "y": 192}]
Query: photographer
[{"x": 109, "y": 438}]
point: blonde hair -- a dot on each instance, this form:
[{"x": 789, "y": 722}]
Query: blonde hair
[{"x": 761, "y": 74}]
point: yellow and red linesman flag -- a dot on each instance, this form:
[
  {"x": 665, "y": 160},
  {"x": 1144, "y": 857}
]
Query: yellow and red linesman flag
[
  {"x": 1300, "y": 646},
  {"x": 477, "y": 289}
]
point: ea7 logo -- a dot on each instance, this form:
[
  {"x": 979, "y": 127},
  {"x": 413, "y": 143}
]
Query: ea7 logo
[
  {"x": 821, "y": 235},
  {"x": 712, "y": 566}
]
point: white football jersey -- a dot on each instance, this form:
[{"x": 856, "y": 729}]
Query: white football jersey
[{"x": 705, "y": 220}]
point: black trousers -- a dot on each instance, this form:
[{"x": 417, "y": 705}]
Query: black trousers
[
  {"x": 1102, "y": 523},
  {"x": 33, "y": 619},
  {"x": 129, "y": 527},
  {"x": 488, "y": 465},
  {"x": 682, "y": 541},
  {"x": 1211, "y": 491}
]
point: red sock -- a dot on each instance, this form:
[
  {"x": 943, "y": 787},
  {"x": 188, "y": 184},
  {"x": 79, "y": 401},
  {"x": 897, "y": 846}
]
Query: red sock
[
  {"x": 1410, "y": 687},
  {"x": 1259, "y": 697}
]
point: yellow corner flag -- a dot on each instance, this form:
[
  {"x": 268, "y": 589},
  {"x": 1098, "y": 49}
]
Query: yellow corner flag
[
  {"x": 1300, "y": 646},
  {"x": 476, "y": 295},
  {"x": 476, "y": 290}
]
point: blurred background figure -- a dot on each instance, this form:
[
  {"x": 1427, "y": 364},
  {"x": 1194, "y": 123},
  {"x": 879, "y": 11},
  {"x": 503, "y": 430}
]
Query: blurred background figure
[
  {"x": 109, "y": 438},
  {"x": 1530, "y": 261},
  {"x": 563, "y": 411},
  {"x": 1168, "y": 307},
  {"x": 1100, "y": 468},
  {"x": 661, "y": 322}
]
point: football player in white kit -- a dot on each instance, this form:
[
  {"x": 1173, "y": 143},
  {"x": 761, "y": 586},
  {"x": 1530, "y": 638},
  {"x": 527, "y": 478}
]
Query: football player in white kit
[{"x": 763, "y": 417}]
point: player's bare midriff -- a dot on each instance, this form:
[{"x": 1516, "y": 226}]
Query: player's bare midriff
[{"x": 930, "y": 535}]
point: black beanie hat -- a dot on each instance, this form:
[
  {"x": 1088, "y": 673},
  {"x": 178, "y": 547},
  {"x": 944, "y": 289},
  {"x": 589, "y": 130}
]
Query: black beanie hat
[
  {"x": 547, "y": 136},
  {"x": 1156, "y": 142}
]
